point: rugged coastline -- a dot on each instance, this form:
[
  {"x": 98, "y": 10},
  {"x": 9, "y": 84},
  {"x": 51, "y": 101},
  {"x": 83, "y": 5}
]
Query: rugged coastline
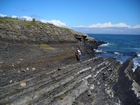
[{"x": 38, "y": 67}]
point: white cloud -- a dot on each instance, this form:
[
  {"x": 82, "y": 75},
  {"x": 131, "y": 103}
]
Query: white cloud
[
  {"x": 2, "y": 15},
  {"x": 105, "y": 25},
  {"x": 119, "y": 28},
  {"x": 13, "y": 16},
  {"x": 43, "y": 21},
  {"x": 122, "y": 25},
  {"x": 55, "y": 22},
  {"x": 27, "y": 18},
  {"x": 137, "y": 26}
]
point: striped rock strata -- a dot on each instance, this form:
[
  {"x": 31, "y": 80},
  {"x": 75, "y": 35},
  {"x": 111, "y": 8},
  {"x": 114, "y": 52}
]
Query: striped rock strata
[{"x": 83, "y": 83}]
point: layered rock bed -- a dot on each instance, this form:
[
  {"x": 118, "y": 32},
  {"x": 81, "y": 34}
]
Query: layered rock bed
[{"x": 86, "y": 82}]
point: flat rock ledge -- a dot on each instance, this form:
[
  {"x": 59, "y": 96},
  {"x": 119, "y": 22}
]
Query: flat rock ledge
[{"x": 84, "y": 83}]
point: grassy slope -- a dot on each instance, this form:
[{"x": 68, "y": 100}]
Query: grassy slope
[{"x": 25, "y": 23}]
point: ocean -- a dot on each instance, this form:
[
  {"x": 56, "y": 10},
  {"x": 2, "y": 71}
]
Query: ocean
[{"x": 119, "y": 46}]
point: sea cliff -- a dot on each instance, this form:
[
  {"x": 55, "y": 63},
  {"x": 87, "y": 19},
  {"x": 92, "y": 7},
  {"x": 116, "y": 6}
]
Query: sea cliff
[{"x": 38, "y": 67}]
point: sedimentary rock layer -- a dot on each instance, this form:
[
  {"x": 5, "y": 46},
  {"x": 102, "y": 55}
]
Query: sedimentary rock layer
[{"x": 86, "y": 82}]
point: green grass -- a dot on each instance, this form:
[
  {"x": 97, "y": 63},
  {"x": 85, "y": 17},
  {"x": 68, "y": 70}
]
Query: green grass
[
  {"x": 23, "y": 22},
  {"x": 30, "y": 23},
  {"x": 65, "y": 29},
  {"x": 7, "y": 21},
  {"x": 45, "y": 46}
]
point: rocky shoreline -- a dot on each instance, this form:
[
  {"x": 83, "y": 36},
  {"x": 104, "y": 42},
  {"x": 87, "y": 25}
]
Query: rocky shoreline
[
  {"x": 127, "y": 88},
  {"x": 38, "y": 67}
]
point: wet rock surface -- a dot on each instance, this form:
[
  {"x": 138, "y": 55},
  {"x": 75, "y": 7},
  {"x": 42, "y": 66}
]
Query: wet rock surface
[{"x": 127, "y": 88}]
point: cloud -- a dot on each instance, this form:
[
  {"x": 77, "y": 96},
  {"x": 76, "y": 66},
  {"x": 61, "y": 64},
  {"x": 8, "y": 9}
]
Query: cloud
[
  {"x": 109, "y": 24},
  {"x": 105, "y": 25},
  {"x": 13, "y": 16},
  {"x": 137, "y": 26},
  {"x": 27, "y": 18},
  {"x": 43, "y": 21},
  {"x": 108, "y": 27},
  {"x": 108, "y": 30},
  {"x": 2, "y": 15},
  {"x": 55, "y": 22}
]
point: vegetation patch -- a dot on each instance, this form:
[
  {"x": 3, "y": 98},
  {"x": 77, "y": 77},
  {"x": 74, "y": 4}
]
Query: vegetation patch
[
  {"x": 118, "y": 67},
  {"x": 45, "y": 46},
  {"x": 65, "y": 29}
]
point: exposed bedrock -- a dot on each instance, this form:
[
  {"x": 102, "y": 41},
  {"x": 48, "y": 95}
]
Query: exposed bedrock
[
  {"x": 128, "y": 88},
  {"x": 87, "y": 82}
]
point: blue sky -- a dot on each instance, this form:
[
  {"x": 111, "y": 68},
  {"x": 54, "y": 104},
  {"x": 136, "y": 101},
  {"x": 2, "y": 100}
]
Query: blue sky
[{"x": 88, "y": 16}]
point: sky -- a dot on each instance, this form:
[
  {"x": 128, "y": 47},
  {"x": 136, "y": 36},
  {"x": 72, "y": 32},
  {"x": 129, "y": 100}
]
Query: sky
[{"x": 87, "y": 16}]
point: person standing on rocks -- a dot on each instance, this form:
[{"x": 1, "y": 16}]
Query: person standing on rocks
[{"x": 78, "y": 54}]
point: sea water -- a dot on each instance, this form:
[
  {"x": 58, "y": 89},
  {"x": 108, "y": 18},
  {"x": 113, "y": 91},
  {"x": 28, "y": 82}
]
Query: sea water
[{"x": 119, "y": 46}]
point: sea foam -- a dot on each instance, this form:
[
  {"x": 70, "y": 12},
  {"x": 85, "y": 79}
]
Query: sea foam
[
  {"x": 136, "y": 62},
  {"x": 99, "y": 51},
  {"x": 105, "y": 44}
]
